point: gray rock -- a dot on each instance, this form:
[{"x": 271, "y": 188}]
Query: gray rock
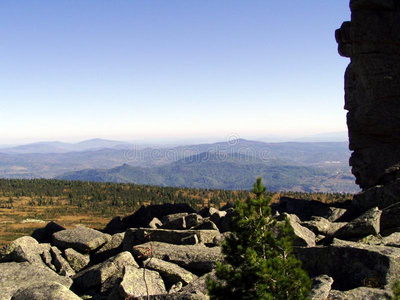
[
  {"x": 352, "y": 264},
  {"x": 175, "y": 296},
  {"x": 172, "y": 217},
  {"x": 219, "y": 239},
  {"x": 392, "y": 240},
  {"x": 98, "y": 274},
  {"x": 321, "y": 286},
  {"x": 380, "y": 196},
  {"x": 44, "y": 235},
  {"x": 320, "y": 225},
  {"x": 109, "y": 249},
  {"x": 319, "y": 238},
  {"x": 175, "y": 288},
  {"x": 388, "y": 232},
  {"x": 364, "y": 293},
  {"x": 47, "y": 259},
  {"x": 22, "y": 249},
  {"x": 172, "y": 296},
  {"x": 206, "y": 236},
  {"x": 291, "y": 217},
  {"x": 206, "y": 225},
  {"x": 140, "y": 282},
  {"x": 305, "y": 209},
  {"x": 143, "y": 216},
  {"x": 217, "y": 217},
  {"x": 199, "y": 258},
  {"x": 76, "y": 260},
  {"x": 390, "y": 218},
  {"x": 45, "y": 291},
  {"x": 193, "y": 220},
  {"x": 137, "y": 236},
  {"x": 190, "y": 240},
  {"x": 178, "y": 223},
  {"x": 366, "y": 224},
  {"x": 304, "y": 236},
  {"x": 207, "y": 212},
  {"x": 334, "y": 213},
  {"x": 62, "y": 266},
  {"x": 199, "y": 286},
  {"x": 155, "y": 223},
  {"x": 368, "y": 240},
  {"x": 15, "y": 276},
  {"x": 171, "y": 272},
  {"x": 81, "y": 238}
]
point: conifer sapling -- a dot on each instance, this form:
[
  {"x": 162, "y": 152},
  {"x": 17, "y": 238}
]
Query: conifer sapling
[{"x": 259, "y": 263}]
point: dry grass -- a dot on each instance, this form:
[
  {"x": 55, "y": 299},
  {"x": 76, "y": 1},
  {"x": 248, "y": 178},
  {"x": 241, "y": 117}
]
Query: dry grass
[{"x": 11, "y": 219}]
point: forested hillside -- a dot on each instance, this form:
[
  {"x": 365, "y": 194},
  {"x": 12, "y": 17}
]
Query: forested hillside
[
  {"x": 209, "y": 170},
  {"x": 304, "y": 167},
  {"x": 26, "y": 204}
]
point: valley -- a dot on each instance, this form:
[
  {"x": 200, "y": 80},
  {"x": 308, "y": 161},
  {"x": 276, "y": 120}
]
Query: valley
[{"x": 288, "y": 166}]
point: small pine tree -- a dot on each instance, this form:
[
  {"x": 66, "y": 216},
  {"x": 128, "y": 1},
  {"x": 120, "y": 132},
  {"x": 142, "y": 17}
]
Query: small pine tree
[{"x": 259, "y": 263}]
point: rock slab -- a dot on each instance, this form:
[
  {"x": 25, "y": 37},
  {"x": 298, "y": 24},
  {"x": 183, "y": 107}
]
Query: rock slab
[
  {"x": 171, "y": 272},
  {"x": 197, "y": 257},
  {"x": 140, "y": 282},
  {"x": 81, "y": 238},
  {"x": 98, "y": 274},
  {"x": 45, "y": 291},
  {"x": 15, "y": 276}
]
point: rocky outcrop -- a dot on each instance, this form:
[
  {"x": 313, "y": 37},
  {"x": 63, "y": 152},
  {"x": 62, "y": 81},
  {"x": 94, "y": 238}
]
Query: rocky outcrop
[
  {"x": 372, "y": 90},
  {"x": 157, "y": 263}
]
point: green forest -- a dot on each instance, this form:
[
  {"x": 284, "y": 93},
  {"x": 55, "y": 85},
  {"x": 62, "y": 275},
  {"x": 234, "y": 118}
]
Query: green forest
[{"x": 25, "y": 204}]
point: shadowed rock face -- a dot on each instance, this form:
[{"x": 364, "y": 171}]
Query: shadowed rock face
[{"x": 372, "y": 89}]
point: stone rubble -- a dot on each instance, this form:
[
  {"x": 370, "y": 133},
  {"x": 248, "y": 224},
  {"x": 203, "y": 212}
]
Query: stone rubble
[{"x": 346, "y": 259}]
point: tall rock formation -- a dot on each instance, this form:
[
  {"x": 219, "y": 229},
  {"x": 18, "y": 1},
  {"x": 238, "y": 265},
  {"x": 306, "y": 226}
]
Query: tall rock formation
[{"x": 372, "y": 97}]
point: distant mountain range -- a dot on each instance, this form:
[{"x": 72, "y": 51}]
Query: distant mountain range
[
  {"x": 340, "y": 136},
  {"x": 228, "y": 165},
  {"x": 60, "y": 147}
]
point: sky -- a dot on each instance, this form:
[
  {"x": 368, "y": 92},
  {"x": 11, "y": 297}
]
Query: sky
[{"x": 74, "y": 70}]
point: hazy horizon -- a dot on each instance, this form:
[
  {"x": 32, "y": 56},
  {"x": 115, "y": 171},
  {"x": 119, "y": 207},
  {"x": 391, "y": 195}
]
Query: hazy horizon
[
  {"x": 169, "y": 70},
  {"x": 321, "y": 137}
]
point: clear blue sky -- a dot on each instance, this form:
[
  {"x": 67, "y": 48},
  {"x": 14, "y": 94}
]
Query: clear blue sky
[{"x": 71, "y": 70}]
